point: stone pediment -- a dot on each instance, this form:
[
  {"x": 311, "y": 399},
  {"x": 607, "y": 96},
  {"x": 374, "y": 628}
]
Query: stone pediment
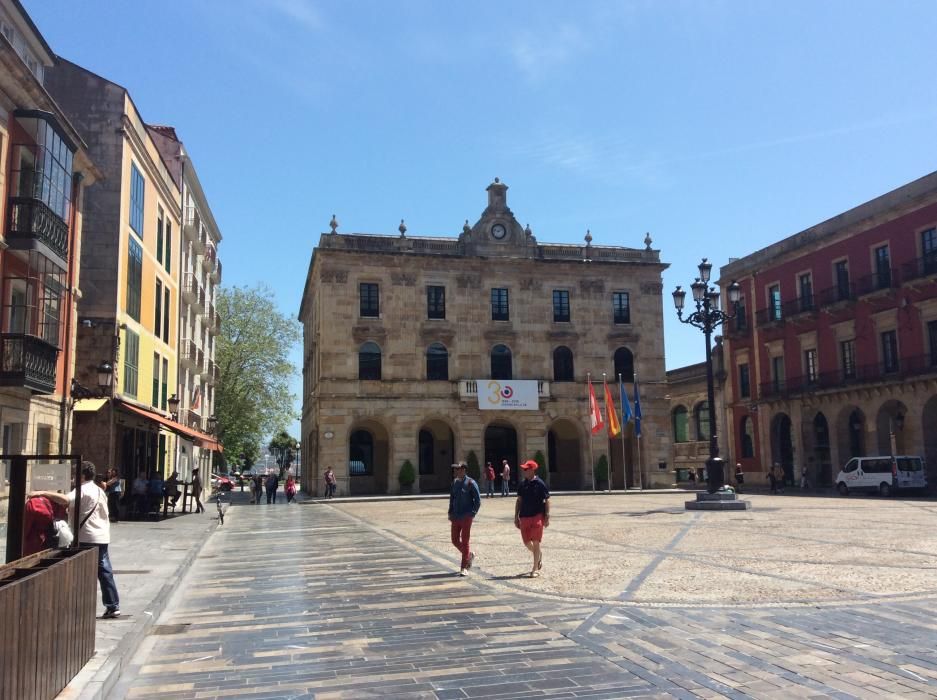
[{"x": 498, "y": 233}]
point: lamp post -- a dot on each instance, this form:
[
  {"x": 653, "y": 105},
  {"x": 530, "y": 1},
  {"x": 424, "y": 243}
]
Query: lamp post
[
  {"x": 173, "y": 404},
  {"x": 707, "y": 317},
  {"x": 895, "y": 423}
]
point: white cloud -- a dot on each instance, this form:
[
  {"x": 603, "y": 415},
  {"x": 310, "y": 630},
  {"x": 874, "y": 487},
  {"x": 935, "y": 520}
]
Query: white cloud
[{"x": 302, "y": 12}]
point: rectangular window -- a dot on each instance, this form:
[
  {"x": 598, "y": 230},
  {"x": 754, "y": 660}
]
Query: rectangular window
[
  {"x": 741, "y": 317},
  {"x": 435, "y": 302},
  {"x": 882, "y": 268},
  {"x": 137, "y": 189},
  {"x": 745, "y": 382},
  {"x": 621, "y": 307},
  {"x": 777, "y": 372},
  {"x": 774, "y": 302},
  {"x": 847, "y": 354},
  {"x": 806, "y": 292},
  {"x": 929, "y": 250},
  {"x": 134, "y": 279},
  {"x": 164, "y": 395},
  {"x": 370, "y": 299},
  {"x": 499, "y": 304},
  {"x": 156, "y": 365},
  {"x": 131, "y": 361},
  {"x": 166, "y": 315},
  {"x": 810, "y": 365},
  {"x": 167, "y": 258},
  {"x": 932, "y": 337},
  {"x": 159, "y": 234},
  {"x": 158, "y": 305},
  {"x": 560, "y": 306},
  {"x": 841, "y": 274},
  {"x": 890, "y": 351}
]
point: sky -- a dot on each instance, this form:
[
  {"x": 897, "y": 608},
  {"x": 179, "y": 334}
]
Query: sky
[{"x": 718, "y": 127}]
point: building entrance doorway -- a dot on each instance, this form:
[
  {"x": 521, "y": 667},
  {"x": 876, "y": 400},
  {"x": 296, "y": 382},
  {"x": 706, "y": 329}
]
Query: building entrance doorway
[
  {"x": 501, "y": 443},
  {"x": 782, "y": 446}
]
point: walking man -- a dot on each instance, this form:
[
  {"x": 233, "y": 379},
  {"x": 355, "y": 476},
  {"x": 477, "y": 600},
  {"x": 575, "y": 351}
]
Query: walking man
[
  {"x": 532, "y": 512},
  {"x": 505, "y": 478},
  {"x": 464, "y": 501},
  {"x": 489, "y": 480},
  {"x": 197, "y": 491},
  {"x": 95, "y": 528},
  {"x": 273, "y": 483}
]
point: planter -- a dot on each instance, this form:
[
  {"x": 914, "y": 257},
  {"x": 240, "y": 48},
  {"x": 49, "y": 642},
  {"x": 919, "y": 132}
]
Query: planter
[{"x": 406, "y": 489}]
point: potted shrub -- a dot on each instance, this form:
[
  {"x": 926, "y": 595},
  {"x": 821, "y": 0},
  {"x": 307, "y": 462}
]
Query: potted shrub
[
  {"x": 542, "y": 465},
  {"x": 406, "y": 477},
  {"x": 471, "y": 466},
  {"x": 601, "y": 473}
]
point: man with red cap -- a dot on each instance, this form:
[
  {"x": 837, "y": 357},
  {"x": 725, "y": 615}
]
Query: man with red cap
[{"x": 532, "y": 512}]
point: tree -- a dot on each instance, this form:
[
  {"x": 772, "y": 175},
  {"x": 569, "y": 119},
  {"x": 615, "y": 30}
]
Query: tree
[
  {"x": 471, "y": 465},
  {"x": 253, "y": 397},
  {"x": 541, "y": 465},
  {"x": 283, "y": 447}
]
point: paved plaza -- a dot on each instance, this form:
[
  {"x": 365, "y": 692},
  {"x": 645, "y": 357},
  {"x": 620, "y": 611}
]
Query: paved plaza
[{"x": 799, "y": 597}]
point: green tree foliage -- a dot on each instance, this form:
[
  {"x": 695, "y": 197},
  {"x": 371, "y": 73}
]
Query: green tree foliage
[
  {"x": 407, "y": 474},
  {"x": 471, "y": 465},
  {"x": 541, "y": 465},
  {"x": 283, "y": 447},
  {"x": 601, "y": 469},
  {"x": 253, "y": 397}
]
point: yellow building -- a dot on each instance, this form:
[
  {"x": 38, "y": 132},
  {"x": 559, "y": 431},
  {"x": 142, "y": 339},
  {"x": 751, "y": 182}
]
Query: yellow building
[{"x": 129, "y": 311}]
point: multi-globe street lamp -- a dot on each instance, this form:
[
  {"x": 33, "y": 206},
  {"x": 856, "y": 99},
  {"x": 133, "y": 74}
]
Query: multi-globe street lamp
[{"x": 707, "y": 317}]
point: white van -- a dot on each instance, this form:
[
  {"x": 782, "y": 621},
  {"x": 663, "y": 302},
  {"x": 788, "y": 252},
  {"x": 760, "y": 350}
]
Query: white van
[{"x": 882, "y": 474}]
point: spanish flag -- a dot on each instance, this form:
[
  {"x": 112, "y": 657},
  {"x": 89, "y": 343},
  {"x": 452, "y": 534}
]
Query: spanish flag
[
  {"x": 614, "y": 427},
  {"x": 594, "y": 413}
]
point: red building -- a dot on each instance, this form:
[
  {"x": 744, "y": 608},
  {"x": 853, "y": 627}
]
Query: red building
[{"x": 834, "y": 354}]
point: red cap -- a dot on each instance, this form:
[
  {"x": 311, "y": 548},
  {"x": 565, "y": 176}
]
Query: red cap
[{"x": 530, "y": 464}]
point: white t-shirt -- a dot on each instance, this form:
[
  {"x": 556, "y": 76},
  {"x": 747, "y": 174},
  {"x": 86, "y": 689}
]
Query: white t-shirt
[
  {"x": 506, "y": 472},
  {"x": 97, "y": 528}
]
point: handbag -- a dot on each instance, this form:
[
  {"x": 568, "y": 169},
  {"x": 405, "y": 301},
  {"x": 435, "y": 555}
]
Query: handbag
[{"x": 59, "y": 535}]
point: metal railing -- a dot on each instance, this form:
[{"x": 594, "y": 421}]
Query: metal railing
[
  {"x": 27, "y": 361},
  {"x": 925, "y": 266},
  {"x": 32, "y": 220},
  {"x": 877, "y": 281}
]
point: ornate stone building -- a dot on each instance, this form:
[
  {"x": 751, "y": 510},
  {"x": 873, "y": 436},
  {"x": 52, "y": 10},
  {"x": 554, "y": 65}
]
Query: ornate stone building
[{"x": 429, "y": 349}]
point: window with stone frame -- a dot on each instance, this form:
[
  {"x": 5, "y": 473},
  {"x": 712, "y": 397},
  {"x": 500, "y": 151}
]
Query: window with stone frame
[{"x": 369, "y": 299}]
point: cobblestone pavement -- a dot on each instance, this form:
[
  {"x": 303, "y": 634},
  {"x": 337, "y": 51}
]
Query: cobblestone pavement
[{"x": 359, "y": 601}]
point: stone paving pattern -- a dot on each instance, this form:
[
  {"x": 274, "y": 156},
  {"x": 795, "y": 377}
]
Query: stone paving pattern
[{"x": 638, "y": 599}]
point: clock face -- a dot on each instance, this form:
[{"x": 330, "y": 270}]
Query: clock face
[{"x": 498, "y": 231}]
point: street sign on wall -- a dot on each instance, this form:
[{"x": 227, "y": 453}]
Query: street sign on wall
[{"x": 508, "y": 395}]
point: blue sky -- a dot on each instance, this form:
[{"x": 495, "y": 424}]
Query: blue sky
[{"x": 718, "y": 127}]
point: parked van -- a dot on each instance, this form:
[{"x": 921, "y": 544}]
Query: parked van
[{"x": 882, "y": 474}]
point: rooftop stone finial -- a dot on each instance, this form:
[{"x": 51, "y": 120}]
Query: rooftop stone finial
[
  {"x": 497, "y": 181},
  {"x": 466, "y": 228},
  {"x": 528, "y": 231},
  {"x": 333, "y": 224},
  {"x": 647, "y": 241},
  {"x": 403, "y": 229},
  {"x": 588, "y": 237}
]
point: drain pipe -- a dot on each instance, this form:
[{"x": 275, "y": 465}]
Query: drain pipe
[{"x": 67, "y": 401}]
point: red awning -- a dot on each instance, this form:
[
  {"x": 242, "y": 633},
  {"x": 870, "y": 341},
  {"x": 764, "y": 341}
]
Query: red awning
[{"x": 204, "y": 440}]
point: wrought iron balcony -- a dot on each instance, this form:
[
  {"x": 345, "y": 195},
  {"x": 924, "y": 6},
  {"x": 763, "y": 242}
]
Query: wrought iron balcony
[
  {"x": 33, "y": 225},
  {"x": 877, "y": 282},
  {"x": 925, "y": 266},
  {"x": 190, "y": 288},
  {"x": 837, "y": 293},
  {"x": 216, "y": 271},
  {"x": 191, "y": 419},
  {"x": 738, "y": 327},
  {"x": 189, "y": 353},
  {"x": 27, "y": 361}
]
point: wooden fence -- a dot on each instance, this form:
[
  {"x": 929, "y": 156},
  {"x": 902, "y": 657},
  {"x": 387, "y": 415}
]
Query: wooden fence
[{"x": 47, "y": 621}]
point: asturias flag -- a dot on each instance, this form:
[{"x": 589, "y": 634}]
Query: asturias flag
[
  {"x": 614, "y": 428},
  {"x": 637, "y": 410},
  {"x": 594, "y": 411},
  {"x": 625, "y": 405}
]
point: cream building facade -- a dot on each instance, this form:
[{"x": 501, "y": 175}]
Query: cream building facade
[{"x": 431, "y": 349}]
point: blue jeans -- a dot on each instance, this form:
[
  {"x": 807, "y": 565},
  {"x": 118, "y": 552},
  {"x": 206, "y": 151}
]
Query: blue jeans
[
  {"x": 106, "y": 578},
  {"x": 505, "y": 487},
  {"x": 491, "y": 487}
]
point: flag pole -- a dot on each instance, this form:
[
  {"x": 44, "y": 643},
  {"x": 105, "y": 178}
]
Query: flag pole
[
  {"x": 611, "y": 469},
  {"x": 589, "y": 404},
  {"x": 624, "y": 463},
  {"x": 640, "y": 459}
]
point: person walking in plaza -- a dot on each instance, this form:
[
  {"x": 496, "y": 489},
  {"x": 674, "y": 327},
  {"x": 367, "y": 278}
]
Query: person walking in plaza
[
  {"x": 329, "y": 482},
  {"x": 532, "y": 512},
  {"x": 273, "y": 483},
  {"x": 804, "y": 484},
  {"x": 489, "y": 480},
  {"x": 739, "y": 477},
  {"x": 464, "y": 502},
  {"x": 114, "y": 492},
  {"x": 197, "y": 491},
  {"x": 505, "y": 478},
  {"x": 257, "y": 487},
  {"x": 95, "y": 528},
  {"x": 290, "y": 489}
]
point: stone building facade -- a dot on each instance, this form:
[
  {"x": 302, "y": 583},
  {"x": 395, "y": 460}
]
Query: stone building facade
[
  {"x": 835, "y": 352},
  {"x": 429, "y": 349}
]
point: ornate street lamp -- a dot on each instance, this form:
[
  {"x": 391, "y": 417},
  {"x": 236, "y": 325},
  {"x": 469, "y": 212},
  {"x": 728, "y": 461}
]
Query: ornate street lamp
[
  {"x": 173, "y": 404},
  {"x": 707, "y": 317},
  {"x": 212, "y": 424}
]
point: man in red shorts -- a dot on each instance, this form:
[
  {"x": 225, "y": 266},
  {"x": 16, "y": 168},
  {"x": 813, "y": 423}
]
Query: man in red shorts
[
  {"x": 464, "y": 501},
  {"x": 532, "y": 512}
]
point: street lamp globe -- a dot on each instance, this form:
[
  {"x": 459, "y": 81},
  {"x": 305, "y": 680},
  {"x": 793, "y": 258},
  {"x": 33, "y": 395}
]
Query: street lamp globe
[
  {"x": 714, "y": 298},
  {"x": 679, "y": 298},
  {"x": 735, "y": 293},
  {"x": 699, "y": 290},
  {"x": 705, "y": 269},
  {"x": 105, "y": 376}
]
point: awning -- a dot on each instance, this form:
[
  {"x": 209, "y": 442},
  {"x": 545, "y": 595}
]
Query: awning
[
  {"x": 205, "y": 440},
  {"x": 88, "y": 405}
]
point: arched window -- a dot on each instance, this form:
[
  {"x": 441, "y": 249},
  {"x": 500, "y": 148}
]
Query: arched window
[
  {"x": 437, "y": 362},
  {"x": 369, "y": 361},
  {"x": 624, "y": 364},
  {"x": 748, "y": 439},
  {"x": 501, "y": 362},
  {"x": 702, "y": 420},
  {"x": 679, "y": 424},
  {"x": 361, "y": 453},
  {"x": 562, "y": 364}
]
